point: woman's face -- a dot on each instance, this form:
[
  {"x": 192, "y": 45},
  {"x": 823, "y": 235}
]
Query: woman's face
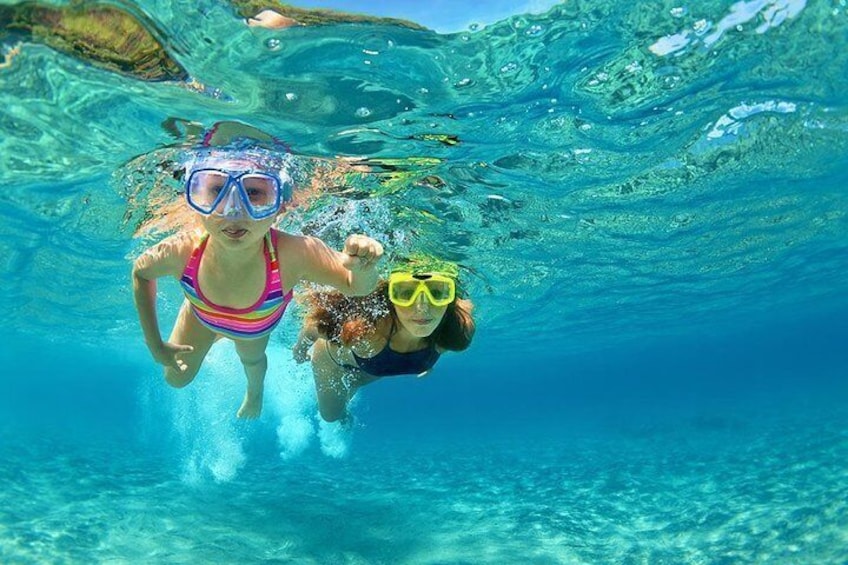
[{"x": 420, "y": 318}]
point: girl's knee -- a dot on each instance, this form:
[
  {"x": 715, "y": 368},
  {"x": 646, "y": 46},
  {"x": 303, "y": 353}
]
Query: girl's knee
[
  {"x": 253, "y": 360},
  {"x": 179, "y": 379},
  {"x": 252, "y": 353}
]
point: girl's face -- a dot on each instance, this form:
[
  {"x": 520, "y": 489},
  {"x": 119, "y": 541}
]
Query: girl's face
[
  {"x": 236, "y": 229},
  {"x": 420, "y": 318},
  {"x": 236, "y": 232}
]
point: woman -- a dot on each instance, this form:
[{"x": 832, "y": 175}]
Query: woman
[{"x": 400, "y": 329}]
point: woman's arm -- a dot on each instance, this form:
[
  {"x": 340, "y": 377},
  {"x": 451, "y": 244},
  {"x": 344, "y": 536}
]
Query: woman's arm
[
  {"x": 331, "y": 388},
  {"x": 308, "y": 335},
  {"x": 336, "y": 379}
]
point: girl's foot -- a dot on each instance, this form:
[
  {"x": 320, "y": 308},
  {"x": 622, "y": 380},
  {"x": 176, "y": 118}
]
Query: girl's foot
[{"x": 251, "y": 406}]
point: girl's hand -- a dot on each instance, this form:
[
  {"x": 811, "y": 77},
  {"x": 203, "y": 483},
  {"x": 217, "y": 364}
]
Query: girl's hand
[
  {"x": 170, "y": 355},
  {"x": 364, "y": 251}
]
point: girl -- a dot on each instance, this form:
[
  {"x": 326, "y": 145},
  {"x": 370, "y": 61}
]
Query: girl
[
  {"x": 400, "y": 329},
  {"x": 238, "y": 272}
]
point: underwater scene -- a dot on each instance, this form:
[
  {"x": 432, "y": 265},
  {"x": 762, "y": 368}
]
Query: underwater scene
[{"x": 643, "y": 207}]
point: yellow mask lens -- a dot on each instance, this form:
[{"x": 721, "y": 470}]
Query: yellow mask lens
[{"x": 404, "y": 289}]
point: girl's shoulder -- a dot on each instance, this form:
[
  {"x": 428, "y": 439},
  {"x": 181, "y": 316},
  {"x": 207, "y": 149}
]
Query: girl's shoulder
[
  {"x": 299, "y": 254},
  {"x": 296, "y": 244},
  {"x": 182, "y": 244},
  {"x": 169, "y": 256},
  {"x": 289, "y": 249},
  {"x": 288, "y": 244}
]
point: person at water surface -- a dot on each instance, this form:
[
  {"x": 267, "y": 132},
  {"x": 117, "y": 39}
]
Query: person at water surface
[
  {"x": 236, "y": 270},
  {"x": 402, "y": 328}
]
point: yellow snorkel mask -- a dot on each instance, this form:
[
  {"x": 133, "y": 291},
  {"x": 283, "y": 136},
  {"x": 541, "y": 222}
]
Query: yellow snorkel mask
[
  {"x": 423, "y": 274},
  {"x": 404, "y": 288}
]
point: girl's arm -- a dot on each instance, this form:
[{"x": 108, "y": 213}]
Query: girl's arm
[
  {"x": 353, "y": 271},
  {"x": 166, "y": 258}
]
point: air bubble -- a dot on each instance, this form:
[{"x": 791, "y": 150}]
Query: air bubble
[
  {"x": 701, "y": 27},
  {"x": 509, "y": 68},
  {"x": 375, "y": 44}
]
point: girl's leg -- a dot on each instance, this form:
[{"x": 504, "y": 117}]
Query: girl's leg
[
  {"x": 334, "y": 385},
  {"x": 252, "y": 355},
  {"x": 189, "y": 331}
]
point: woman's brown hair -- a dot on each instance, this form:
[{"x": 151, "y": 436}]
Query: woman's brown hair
[{"x": 345, "y": 319}]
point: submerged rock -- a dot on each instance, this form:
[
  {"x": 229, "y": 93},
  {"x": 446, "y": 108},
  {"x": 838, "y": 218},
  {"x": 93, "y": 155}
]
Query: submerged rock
[
  {"x": 105, "y": 36},
  {"x": 126, "y": 42}
]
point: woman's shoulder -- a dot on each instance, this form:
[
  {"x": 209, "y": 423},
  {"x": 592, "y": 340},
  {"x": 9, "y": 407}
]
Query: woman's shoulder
[{"x": 372, "y": 343}]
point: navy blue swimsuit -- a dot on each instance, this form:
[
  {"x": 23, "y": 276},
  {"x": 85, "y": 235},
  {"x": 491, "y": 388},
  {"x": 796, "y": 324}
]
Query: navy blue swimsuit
[{"x": 388, "y": 362}]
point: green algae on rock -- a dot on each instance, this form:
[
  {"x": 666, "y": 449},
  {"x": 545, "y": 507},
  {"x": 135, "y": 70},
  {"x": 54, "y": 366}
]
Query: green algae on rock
[{"x": 102, "y": 35}]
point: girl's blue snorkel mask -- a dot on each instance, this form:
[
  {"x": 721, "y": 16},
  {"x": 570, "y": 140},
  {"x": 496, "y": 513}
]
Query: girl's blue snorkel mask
[{"x": 233, "y": 184}]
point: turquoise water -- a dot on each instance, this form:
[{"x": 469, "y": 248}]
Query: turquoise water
[{"x": 649, "y": 206}]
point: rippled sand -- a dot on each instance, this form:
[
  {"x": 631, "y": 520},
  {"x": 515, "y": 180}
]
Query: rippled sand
[{"x": 712, "y": 490}]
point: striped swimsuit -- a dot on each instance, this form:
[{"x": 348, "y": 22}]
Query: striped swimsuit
[{"x": 239, "y": 323}]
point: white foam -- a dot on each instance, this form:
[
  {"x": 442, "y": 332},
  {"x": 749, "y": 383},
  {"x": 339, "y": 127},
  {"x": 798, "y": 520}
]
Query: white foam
[
  {"x": 211, "y": 439},
  {"x": 204, "y": 418},
  {"x": 290, "y": 400},
  {"x": 335, "y": 439}
]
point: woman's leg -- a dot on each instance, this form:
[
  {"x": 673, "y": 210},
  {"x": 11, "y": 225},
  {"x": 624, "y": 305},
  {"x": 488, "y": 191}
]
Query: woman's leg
[
  {"x": 252, "y": 355},
  {"x": 334, "y": 385},
  {"x": 189, "y": 331}
]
